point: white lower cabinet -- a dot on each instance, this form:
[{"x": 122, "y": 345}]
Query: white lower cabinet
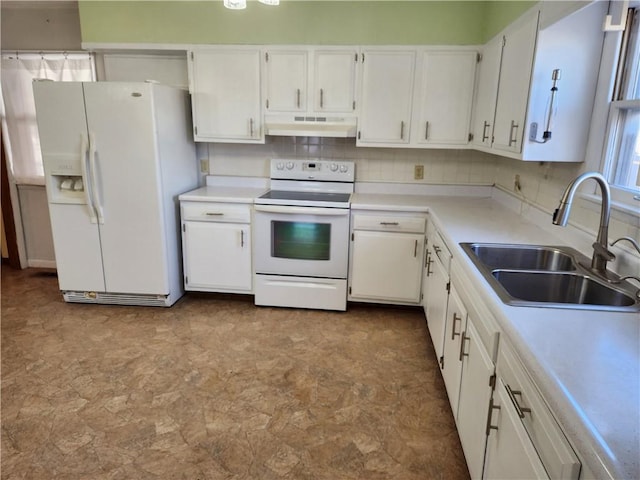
[
  {"x": 436, "y": 289},
  {"x": 510, "y": 453},
  {"x": 476, "y": 386},
  {"x": 386, "y": 256},
  {"x": 216, "y": 247}
]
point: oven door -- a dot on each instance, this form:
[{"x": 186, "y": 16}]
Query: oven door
[{"x": 302, "y": 241}]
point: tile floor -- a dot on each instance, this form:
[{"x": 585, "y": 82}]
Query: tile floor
[{"x": 216, "y": 388}]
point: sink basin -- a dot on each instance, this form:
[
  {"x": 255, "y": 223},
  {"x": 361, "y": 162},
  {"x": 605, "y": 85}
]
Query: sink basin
[
  {"x": 547, "y": 276},
  {"x": 523, "y": 257},
  {"x": 560, "y": 288}
]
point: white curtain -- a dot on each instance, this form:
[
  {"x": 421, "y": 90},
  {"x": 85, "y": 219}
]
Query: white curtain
[{"x": 19, "y": 70}]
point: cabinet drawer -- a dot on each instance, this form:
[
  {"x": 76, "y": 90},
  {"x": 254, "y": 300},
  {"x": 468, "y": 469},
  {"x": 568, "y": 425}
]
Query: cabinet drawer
[
  {"x": 554, "y": 449},
  {"x": 215, "y": 212},
  {"x": 389, "y": 223}
]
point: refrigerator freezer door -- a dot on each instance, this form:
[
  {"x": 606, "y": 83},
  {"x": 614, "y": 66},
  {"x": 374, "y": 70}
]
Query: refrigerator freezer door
[
  {"x": 121, "y": 124},
  {"x": 77, "y": 248}
]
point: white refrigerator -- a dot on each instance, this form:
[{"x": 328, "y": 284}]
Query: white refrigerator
[{"x": 116, "y": 156}]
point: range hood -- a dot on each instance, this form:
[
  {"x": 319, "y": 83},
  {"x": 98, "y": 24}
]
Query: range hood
[{"x": 310, "y": 126}]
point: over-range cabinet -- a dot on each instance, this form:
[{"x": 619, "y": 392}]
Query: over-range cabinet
[{"x": 116, "y": 156}]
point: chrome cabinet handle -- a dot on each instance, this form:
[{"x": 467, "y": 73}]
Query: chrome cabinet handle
[
  {"x": 415, "y": 249},
  {"x": 402, "y": 130},
  {"x": 426, "y": 130},
  {"x": 428, "y": 265},
  {"x": 389, "y": 223},
  {"x": 298, "y": 98},
  {"x": 492, "y": 407},
  {"x": 519, "y": 409},
  {"x": 514, "y": 126},
  {"x": 437, "y": 249},
  {"x": 214, "y": 214},
  {"x": 321, "y": 98},
  {"x": 484, "y": 130},
  {"x": 453, "y": 327},
  {"x": 242, "y": 238},
  {"x": 464, "y": 338}
]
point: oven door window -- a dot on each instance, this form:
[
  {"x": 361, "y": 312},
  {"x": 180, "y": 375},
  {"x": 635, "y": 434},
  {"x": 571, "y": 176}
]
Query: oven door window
[{"x": 301, "y": 240}]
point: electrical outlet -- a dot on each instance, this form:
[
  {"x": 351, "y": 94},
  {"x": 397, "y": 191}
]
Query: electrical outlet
[
  {"x": 204, "y": 165},
  {"x": 418, "y": 172}
]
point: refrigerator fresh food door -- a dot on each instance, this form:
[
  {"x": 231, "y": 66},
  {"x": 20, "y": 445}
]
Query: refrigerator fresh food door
[
  {"x": 126, "y": 173},
  {"x": 62, "y": 128}
]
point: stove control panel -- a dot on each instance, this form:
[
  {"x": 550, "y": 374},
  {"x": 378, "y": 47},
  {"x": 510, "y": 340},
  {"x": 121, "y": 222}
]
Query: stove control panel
[{"x": 318, "y": 170}]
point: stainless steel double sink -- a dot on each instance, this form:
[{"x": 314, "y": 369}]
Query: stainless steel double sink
[{"x": 548, "y": 276}]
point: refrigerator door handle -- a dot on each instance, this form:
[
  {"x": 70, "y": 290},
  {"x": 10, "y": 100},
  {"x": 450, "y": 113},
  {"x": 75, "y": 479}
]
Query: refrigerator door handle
[
  {"x": 85, "y": 178},
  {"x": 94, "y": 182}
]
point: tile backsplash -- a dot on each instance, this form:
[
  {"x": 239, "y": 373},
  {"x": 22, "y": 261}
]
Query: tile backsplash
[{"x": 542, "y": 184}]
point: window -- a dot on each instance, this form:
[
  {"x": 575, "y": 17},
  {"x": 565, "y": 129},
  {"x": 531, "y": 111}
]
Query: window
[{"x": 622, "y": 154}]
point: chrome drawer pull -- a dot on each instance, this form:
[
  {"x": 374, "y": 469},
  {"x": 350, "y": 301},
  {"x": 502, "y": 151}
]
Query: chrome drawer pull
[
  {"x": 389, "y": 223},
  {"x": 214, "y": 214},
  {"x": 453, "y": 329},
  {"x": 512, "y": 395},
  {"x": 492, "y": 407}
]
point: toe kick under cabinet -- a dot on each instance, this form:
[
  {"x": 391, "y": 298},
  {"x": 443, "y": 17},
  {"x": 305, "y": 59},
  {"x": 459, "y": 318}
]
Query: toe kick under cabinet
[
  {"x": 386, "y": 256},
  {"x": 216, "y": 247}
]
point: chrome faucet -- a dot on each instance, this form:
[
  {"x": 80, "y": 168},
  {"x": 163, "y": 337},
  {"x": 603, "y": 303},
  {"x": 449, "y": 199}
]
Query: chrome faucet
[{"x": 601, "y": 253}]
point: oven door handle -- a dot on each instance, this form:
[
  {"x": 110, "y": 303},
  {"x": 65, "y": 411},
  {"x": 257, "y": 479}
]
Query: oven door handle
[{"x": 329, "y": 212}]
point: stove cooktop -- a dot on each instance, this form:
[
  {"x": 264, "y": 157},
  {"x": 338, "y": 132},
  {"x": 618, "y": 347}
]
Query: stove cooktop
[{"x": 312, "y": 199}]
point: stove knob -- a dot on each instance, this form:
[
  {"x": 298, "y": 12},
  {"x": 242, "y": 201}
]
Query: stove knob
[
  {"x": 289, "y": 165},
  {"x": 334, "y": 167},
  {"x": 344, "y": 168},
  {"x": 280, "y": 166}
]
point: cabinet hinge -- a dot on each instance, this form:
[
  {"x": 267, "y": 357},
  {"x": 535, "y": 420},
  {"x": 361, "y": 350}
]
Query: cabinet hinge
[
  {"x": 349, "y": 290},
  {"x": 356, "y": 58},
  {"x": 504, "y": 40},
  {"x": 492, "y": 381},
  {"x": 354, "y": 104},
  {"x": 478, "y": 57},
  {"x": 191, "y": 55},
  {"x": 186, "y": 280},
  {"x": 470, "y": 136},
  {"x": 421, "y": 296},
  {"x": 267, "y": 103},
  {"x": 358, "y": 134},
  {"x": 441, "y": 361},
  {"x": 449, "y": 287},
  {"x": 352, "y": 237},
  {"x": 363, "y": 58},
  {"x": 195, "y": 129},
  {"x": 266, "y": 56},
  {"x": 184, "y": 227}
]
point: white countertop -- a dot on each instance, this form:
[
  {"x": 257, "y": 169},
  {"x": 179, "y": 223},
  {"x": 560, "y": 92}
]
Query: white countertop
[{"x": 585, "y": 363}]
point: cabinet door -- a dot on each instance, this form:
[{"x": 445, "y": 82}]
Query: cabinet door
[
  {"x": 386, "y": 266},
  {"x": 486, "y": 92},
  {"x": 387, "y": 93},
  {"x": 226, "y": 95},
  {"x": 335, "y": 80},
  {"x": 510, "y": 453},
  {"x": 435, "y": 301},
  {"x": 286, "y": 80},
  {"x": 452, "y": 363},
  {"x": 515, "y": 78},
  {"x": 445, "y": 98},
  {"x": 217, "y": 256},
  {"x": 474, "y": 397}
]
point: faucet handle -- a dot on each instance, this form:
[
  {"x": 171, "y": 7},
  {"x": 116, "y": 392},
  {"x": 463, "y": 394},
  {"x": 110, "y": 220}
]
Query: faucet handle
[
  {"x": 603, "y": 252},
  {"x": 628, "y": 239}
]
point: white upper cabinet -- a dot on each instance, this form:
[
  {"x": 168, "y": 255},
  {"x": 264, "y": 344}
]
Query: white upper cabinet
[
  {"x": 387, "y": 97},
  {"x": 515, "y": 75},
  {"x": 310, "y": 80},
  {"x": 486, "y": 92},
  {"x": 286, "y": 74},
  {"x": 521, "y": 67},
  {"x": 334, "y": 80},
  {"x": 225, "y": 95},
  {"x": 442, "y": 107}
]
